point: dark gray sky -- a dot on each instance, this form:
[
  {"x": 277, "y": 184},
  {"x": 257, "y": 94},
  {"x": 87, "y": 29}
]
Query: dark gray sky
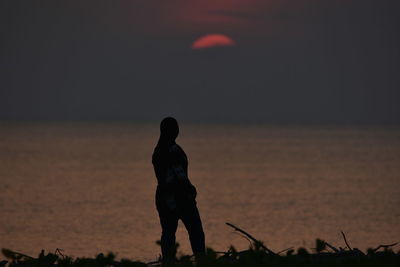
[{"x": 301, "y": 61}]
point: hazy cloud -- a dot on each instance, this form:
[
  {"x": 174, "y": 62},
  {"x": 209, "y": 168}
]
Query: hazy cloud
[{"x": 298, "y": 61}]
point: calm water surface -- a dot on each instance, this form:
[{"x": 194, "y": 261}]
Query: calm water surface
[{"x": 89, "y": 188}]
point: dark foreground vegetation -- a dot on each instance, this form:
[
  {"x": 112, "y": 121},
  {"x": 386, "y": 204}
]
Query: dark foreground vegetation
[{"x": 324, "y": 254}]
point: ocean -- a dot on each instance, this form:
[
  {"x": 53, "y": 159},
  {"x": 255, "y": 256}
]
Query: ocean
[{"x": 88, "y": 188}]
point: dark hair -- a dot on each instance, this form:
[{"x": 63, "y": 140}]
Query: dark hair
[{"x": 169, "y": 128}]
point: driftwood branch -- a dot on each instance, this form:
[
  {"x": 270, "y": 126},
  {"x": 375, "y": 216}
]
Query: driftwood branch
[
  {"x": 332, "y": 247},
  {"x": 251, "y": 237},
  {"x": 59, "y": 252},
  {"x": 284, "y": 250},
  {"x": 242, "y": 235},
  {"x": 384, "y": 246},
  {"x": 14, "y": 255},
  {"x": 345, "y": 240}
]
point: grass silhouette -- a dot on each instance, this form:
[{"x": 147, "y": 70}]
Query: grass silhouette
[{"x": 324, "y": 254}]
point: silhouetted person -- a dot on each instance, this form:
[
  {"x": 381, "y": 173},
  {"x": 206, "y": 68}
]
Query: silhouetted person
[{"x": 175, "y": 195}]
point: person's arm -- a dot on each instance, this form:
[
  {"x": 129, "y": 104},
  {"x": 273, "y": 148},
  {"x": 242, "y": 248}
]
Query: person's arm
[{"x": 180, "y": 164}]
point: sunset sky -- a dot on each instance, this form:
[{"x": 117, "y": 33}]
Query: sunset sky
[{"x": 298, "y": 61}]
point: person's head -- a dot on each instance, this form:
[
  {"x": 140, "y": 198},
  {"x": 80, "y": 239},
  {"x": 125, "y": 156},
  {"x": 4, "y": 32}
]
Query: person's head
[{"x": 169, "y": 129}]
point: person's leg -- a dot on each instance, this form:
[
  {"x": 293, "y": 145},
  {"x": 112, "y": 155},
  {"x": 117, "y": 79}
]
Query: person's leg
[
  {"x": 169, "y": 224},
  {"x": 191, "y": 219}
]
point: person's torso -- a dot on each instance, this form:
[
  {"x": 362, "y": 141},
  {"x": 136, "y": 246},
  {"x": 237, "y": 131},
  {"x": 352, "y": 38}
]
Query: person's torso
[
  {"x": 170, "y": 165},
  {"x": 174, "y": 188}
]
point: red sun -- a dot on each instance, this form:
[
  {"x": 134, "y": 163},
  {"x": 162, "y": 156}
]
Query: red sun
[{"x": 212, "y": 40}]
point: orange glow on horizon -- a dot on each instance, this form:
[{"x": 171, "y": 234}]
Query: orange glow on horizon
[{"x": 212, "y": 40}]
